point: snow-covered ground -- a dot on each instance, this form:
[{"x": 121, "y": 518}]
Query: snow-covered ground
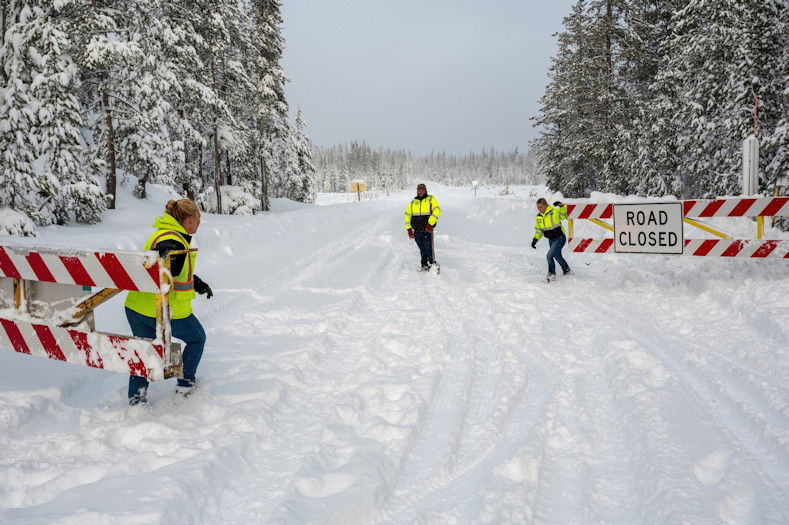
[{"x": 341, "y": 386}]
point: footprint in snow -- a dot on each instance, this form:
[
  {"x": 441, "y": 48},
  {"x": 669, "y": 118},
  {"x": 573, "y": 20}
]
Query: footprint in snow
[{"x": 711, "y": 469}]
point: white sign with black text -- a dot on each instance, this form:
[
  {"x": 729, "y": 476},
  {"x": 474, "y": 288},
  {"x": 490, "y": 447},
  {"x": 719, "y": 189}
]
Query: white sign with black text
[{"x": 648, "y": 228}]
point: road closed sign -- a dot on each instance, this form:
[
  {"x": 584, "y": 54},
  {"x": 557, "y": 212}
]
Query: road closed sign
[{"x": 648, "y": 228}]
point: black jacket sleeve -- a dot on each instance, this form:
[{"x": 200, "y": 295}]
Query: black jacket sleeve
[{"x": 177, "y": 261}]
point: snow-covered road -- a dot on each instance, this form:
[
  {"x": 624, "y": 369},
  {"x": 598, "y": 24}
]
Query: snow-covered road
[{"x": 341, "y": 386}]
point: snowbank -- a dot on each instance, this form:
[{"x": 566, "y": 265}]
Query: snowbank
[{"x": 14, "y": 223}]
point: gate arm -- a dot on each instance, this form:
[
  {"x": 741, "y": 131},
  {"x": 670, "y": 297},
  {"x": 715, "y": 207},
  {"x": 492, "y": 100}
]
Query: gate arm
[
  {"x": 75, "y": 314},
  {"x": 602, "y": 224},
  {"x": 706, "y": 228}
]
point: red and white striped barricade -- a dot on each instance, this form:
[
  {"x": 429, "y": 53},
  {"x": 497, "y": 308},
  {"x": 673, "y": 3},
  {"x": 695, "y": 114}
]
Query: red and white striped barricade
[
  {"x": 724, "y": 247},
  {"x": 699, "y": 247},
  {"x": 59, "y": 331}
]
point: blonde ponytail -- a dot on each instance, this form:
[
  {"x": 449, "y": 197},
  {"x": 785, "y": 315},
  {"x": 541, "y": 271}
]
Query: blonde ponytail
[{"x": 181, "y": 209}]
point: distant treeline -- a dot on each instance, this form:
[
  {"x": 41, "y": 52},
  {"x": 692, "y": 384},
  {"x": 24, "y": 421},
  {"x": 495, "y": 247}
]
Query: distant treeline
[{"x": 389, "y": 170}]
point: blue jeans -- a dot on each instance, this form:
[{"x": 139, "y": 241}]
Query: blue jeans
[
  {"x": 189, "y": 330},
  {"x": 425, "y": 242},
  {"x": 555, "y": 252}
]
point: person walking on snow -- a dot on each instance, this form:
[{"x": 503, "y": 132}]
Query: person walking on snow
[
  {"x": 421, "y": 216},
  {"x": 548, "y": 223},
  {"x": 173, "y": 231}
]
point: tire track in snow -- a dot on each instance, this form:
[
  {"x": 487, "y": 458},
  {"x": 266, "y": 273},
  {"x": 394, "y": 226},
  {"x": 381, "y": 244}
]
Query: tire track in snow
[
  {"x": 659, "y": 437},
  {"x": 285, "y": 460},
  {"x": 460, "y": 482},
  {"x": 702, "y": 386},
  {"x": 584, "y": 472},
  {"x": 308, "y": 267}
]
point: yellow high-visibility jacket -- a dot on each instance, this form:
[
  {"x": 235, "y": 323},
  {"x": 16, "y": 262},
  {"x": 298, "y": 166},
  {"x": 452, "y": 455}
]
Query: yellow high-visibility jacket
[
  {"x": 183, "y": 291},
  {"x": 421, "y": 212},
  {"x": 550, "y": 222}
]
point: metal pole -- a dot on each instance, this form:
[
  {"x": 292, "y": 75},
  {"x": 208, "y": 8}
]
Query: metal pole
[{"x": 20, "y": 295}]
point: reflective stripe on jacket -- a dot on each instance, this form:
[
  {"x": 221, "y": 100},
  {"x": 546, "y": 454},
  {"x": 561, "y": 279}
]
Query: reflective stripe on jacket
[
  {"x": 550, "y": 222},
  {"x": 180, "y": 298},
  {"x": 421, "y": 212}
]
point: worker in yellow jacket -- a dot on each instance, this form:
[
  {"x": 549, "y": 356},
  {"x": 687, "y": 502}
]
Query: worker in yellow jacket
[
  {"x": 172, "y": 232},
  {"x": 421, "y": 217},
  {"x": 548, "y": 224}
]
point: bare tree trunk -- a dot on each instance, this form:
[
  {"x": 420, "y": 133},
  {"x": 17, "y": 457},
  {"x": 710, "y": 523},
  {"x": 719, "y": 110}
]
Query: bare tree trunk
[
  {"x": 199, "y": 166},
  {"x": 264, "y": 204},
  {"x": 187, "y": 184},
  {"x": 4, "y": 12},
  {"x": 140, "y": 191},
  {"x": 217, "y": 175},
  {"x": 228, "y": 178},
  {"x": 609, "y": 18},
  {"x": 112, "y": 177}
]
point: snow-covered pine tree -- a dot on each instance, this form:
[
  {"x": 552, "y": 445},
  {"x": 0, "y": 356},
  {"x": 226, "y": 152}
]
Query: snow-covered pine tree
[
  {"x": 773, "y": 93},
  {"x": 643, "y": 137},
  {"x": 190, "y": 98},
  {"x": 301, "y": 184},
  {"x": 238, "y": 144},
  {"x": 606, "y": 110},
  {"x": 143, "y": 137},
  {"x": 21, "y": 188},
  {"x": 563, "y": 143},
  {"x": 586, "y": 105},
  {"x": 60, "y": 124},
  {"x": 718, "y": 54},
  {"x": 107, "y": 50},
  {"x": 269, "y": 105}
]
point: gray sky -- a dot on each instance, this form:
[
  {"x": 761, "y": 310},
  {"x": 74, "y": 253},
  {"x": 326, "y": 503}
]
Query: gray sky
[{"x": 447, "y": 75}]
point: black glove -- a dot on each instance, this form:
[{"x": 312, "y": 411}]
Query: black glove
[
  {"x": 534, "y": 243},
  {"x": 202, "y": 287},
  {"x": 558, "y": 203}
]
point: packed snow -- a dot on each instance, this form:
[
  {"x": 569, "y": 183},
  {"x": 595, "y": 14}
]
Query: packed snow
[{"x": 339, "y": 385}]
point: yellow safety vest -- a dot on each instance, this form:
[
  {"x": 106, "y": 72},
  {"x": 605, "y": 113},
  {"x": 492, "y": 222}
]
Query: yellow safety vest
[
  {"x": 420, "y": 207},
  {"x": 550, "y": 220},
  {"x": 183, "y": 291}
]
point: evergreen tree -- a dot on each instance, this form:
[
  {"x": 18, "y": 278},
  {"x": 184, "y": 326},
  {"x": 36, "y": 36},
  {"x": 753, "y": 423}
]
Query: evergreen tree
[
  {"x": 191, "y": 100},
  {"x": 107, "y": 51},
  {"x": 60, "y": 124},
  {"x": 718, "y": 55},
  {"x": 643, "y": 138},
  {"x": 22, "y": 189},
  {"x": 562, "y": 145},
  {"x": 773, "y": 93},
  {"x": 269, "y": 108},
  {"x": 301, "y": 185},
  {"x": 655, "y": 96},
  {"x": 186, "y": 93}
]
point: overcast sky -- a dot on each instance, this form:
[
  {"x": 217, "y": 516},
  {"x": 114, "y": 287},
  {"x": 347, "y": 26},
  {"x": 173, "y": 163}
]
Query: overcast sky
[{"x": 446, "y": 75}]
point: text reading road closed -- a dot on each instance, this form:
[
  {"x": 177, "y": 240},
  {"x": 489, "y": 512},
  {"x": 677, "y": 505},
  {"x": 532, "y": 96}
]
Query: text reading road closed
[{"x": 648, "y": 228}]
